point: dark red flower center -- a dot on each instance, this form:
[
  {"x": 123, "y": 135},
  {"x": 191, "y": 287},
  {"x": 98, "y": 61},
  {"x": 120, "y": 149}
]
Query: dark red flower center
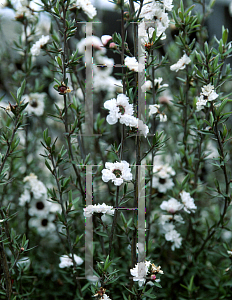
[
  {"x": 62, "y": 89},
  {"x": 162, "y": 180},
  {"x": 33, "y": 103},
  {"x": 117, "y": 173},
  {"x": 121, "y": 109},
  {"x": 44, "y": 222},
  {"x": 40, "y": 205}
]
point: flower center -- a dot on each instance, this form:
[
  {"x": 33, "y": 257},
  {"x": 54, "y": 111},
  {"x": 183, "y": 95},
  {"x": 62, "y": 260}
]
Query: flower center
[
  {"x": 121, "y": 109},
  {"x": 33, "y": 103},
  {"x": 44, "y": 222},
  {"x": 117, "y": 173},
  {"x": 205, "y": 97},
  {"x": 40, "y": 205},
  {"x": 162, "y": 180}
]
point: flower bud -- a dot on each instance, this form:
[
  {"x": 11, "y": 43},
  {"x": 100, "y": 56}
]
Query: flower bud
[
  {"x": 112, "y": 46},
  {"x": 106, "y": 39}
]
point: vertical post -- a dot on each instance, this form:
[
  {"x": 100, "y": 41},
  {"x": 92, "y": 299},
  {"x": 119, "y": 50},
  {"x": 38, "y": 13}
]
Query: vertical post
[
  {"x": 88, "y": 227},
  {"x": 141, "y": 214},
  {"x": 89, "y": 83},
  {"x": 141, "y": 71}
]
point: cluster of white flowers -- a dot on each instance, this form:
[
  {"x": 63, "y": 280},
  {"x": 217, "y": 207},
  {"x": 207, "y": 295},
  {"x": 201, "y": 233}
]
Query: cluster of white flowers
[
  {"x": 35, "y": 194},
  {"x": 207, "y": 94},
  {"x": 167, "y": 221},
  {"x": 66, "y": 261},
  {"x": 35, "y": 49},
  {"x": 35, "y": 103},
  {"x": 87, "y": 8},
  {"x": 154, "y": 109},
  {"x": 154, "y": 11},
  {"x": 181, "y": 64},
  {"x": 161, "y": 179},
  {"x": 98, "y": 208},
  {"x": 145, "y": 271},
  {"x": 120, "y": 109},
  {"x": 117, "y": 172}
]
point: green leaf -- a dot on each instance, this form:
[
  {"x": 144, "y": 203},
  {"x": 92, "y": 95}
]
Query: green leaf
[
  {"x": 224, "y": 35},
  {"x": 102, "y": 233},
  {"x": 222, "y": 106}
]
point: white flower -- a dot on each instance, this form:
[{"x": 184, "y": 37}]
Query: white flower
[
  {"x": 24, "y": 12},
  {"x": 143, "y": 128},
  {"x": 154, "y": 109},
  {"x": 182, "y": 62},
  {"x": 155, "y": 269},
  {"x": 208, "y": 92},
  {"x": 146, "y": 86},
  {"x": 167, "y": 218},
  {"x": 163, "y": 117},
  {"x": 87, "y": 7},
  {"x": 149, "y": 9},
  {"x": 229, "y": 252},
  {"x": 66, "y": 261},
  {"x": 188, "y": 202},
  {"x": 158, "y": 81},
  {"x": 35, "y": 103},
  {"x": 119, "y": 109},
  {"x": 162, "y": 184},
  {"x": 132, "y": 64},
  {"x": 106, "y": 39},
  {"x": 140, "y": 271},
  {"x": 174, "y": 237},
  {"x": 39, "y": 207},
  {"x": 161, "y": 179},
  {"x": 43, "y": 224},
  {"x": 201, "y": 103},
  {"x": 168, "y": 227},
  {"x": 35, "y": 49},
  {"x": 157, "y": 84},
  {"x": 171, "y": 206},
  {"x": 105, "y": 297},
  {"x": 100, "y": 208},
  {"x": 35, "y": 186},
  {"x": 168, "y": 4},
  {"x": 163, "y": 171},
  {"x": 178, "y": 218},
  {"x": 117, "y": 172}
]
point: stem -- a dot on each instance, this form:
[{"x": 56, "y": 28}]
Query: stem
[
  {"x": 185, "y": 121},
  {"x": 114, "y": 221},
  {"x": 65, "y": 106},
  {"x": 5, "y": 268},
  {"x": 61, "y": 201}
]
